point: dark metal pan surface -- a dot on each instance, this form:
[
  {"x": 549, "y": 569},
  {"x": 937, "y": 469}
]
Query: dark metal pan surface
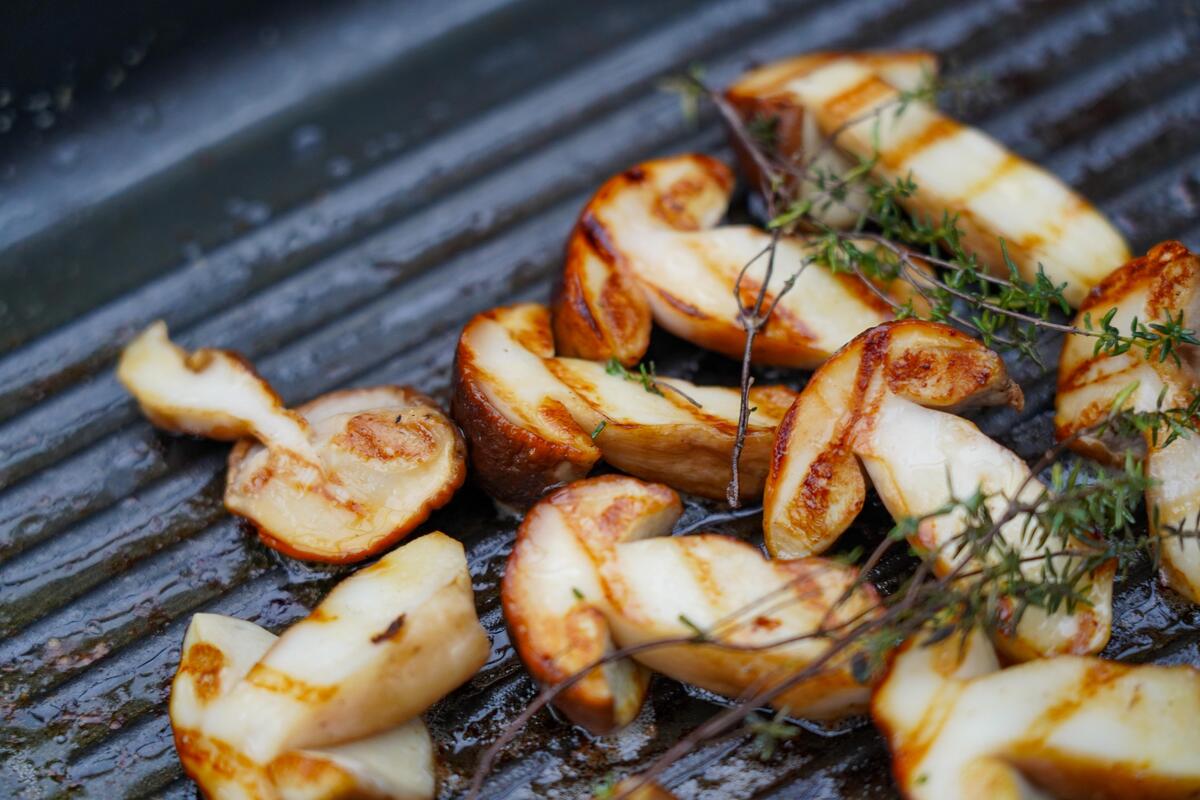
[{"x": 333, "y": 189}]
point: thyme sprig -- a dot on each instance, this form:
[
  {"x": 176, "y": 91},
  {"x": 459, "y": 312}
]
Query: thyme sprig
[
  {"x": 647, "y": 376},
  {"x": 1084, "y": 519},
  {"x": 927, "y": 253}
]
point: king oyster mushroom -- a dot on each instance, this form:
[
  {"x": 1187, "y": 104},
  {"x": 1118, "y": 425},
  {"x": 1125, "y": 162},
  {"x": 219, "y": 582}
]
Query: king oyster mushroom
[
  {"x": 593, "y": 569},
  {"x": 995, "y": 195},
  {"x": 883, "y": 408},
  {"x": 648, "y": 245},
  {"x": 1065, "y": 727},
  {"x": 329, "y": 709},
  {"x": 1162, "y": 286},
  {"x": 534, "y": 420},
  {"x": 338, "y": 479}
]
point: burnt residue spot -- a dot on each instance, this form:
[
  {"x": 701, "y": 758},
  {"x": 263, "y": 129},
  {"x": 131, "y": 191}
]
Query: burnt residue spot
[
  {"x": 635, "y": 174},
  {"x": 390, "y": 631}
]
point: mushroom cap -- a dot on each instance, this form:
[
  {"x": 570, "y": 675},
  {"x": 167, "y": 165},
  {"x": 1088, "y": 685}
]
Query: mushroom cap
[
  {"x": 1068, "y": 726},
  {"x": 391, "y": 455},
  {"x": 647, "y": 245},
  {"x": 534, "y": 420},
  {"x": 995, "y": 195},
  {"x": 593, "y": 569}
]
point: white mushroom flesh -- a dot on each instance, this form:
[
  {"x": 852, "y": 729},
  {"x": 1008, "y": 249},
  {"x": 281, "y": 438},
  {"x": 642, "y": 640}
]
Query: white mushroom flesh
[{"x": 1064, "y": 727}]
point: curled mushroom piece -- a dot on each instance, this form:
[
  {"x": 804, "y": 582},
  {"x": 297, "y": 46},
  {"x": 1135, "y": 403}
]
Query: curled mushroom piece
[
  {"x": 534, "y": 420},
  {"x": 882, "y": 408},
  {"x": 1064, "y": 727},
  {"x": 329, "y": 709},
  {"x": 1160, "y": 287},
  {"x": 340, "y": 478},
  {"x": 647, "y": 246},
  {"x": 593, "y": 569},
  {"x": 959, "y": 170}
]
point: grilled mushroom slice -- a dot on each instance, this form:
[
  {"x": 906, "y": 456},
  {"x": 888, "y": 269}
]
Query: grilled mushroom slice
[
  {"x": 338, "y": 694},
  {"x": 534, "y": 420},
  {"x": 647, "y": 246},
  {"x": 882, "y": 408},
  {"x": 1156, "y": 288},
  {"x": 339, "y": 479},
  {"x": 995, "y": 194},
  {"x": 796, "y": 137},
  {"x": 1063, "y": 727},
  {"x": 593, "y": 570}
]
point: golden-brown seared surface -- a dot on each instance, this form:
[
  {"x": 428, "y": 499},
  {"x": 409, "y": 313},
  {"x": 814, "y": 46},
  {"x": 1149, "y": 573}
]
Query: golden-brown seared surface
[
  {"x": 533, "y": 420},
  {"x": 593, "y": 570},
  {"x": 338, "y": 479},
  {"x": 995, "y": 194},
  {"x": 647, "y": 246},
  {"x": 259, "y": 717},
  {"x": 1162, "y": 284},
  {"x": 1065, "y": 727},
  {"x": 880, "y": 409}
]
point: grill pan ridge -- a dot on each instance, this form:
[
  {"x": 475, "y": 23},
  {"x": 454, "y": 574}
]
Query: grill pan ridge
[{"x": 334, "y": 189}]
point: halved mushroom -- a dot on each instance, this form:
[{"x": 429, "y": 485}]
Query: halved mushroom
[
  {"x": 534, "y": 420},
  {"x": 593, "y": 570},
  {"x": 880, "y": 409},
  {"x": 1162, "y": 286},
  {"x": 647, "y": 246},
  {"x": 339, "y": 479},
  {"x": 959, "y": 170},
  {"x": 334, "y": 701},
  {"x": 1064, "y": 727}
]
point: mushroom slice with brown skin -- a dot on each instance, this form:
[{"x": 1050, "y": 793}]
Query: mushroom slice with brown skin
[
  {"x": 995, "y": 194},
  {"x": 534, "y": 420},
  {"x": 881, "y": 408},
  {"x": 795, "y": 137},
  {"x": 647, "y": 246},
  {"x": 593, "y": 570},
  {"x": 1156, "y": 288},
  {"x": 1065, "y": 727},
  {"x": 340, "y": 478},
  {"x": 248, "y": 710},
  {"x": 554, "y": 597}
]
